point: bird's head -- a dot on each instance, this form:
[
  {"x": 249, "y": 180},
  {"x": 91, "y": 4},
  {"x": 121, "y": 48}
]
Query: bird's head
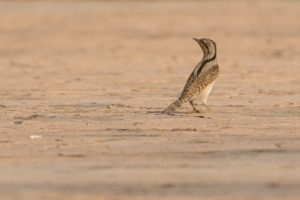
[{"x": 208, "y": 46}]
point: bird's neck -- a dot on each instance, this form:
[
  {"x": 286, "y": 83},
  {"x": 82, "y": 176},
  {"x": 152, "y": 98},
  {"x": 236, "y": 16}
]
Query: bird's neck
[{"x": 210, "y": 56}]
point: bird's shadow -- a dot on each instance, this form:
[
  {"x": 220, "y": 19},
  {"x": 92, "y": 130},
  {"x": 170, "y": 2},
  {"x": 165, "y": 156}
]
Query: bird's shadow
[{"x": 177, "y": 114}]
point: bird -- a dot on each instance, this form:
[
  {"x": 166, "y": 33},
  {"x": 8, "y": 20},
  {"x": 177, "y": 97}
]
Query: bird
[{"x": 201, "y": 80}]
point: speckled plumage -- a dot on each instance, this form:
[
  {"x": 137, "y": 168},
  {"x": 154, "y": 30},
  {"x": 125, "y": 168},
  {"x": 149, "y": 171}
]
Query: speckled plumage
[{"x": 201, "y": 80}]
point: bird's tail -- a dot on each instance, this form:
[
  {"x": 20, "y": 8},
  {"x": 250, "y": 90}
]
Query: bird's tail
[{"x": 173, "y": 106}]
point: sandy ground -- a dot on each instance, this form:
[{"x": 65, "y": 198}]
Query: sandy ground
[{"x": 90, "y": 79}]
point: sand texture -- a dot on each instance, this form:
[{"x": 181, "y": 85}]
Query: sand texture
[{"x": 82, "y": 86}]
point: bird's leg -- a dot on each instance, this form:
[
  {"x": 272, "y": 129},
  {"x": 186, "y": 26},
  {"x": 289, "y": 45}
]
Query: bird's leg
[
  {"x": 206, "y": 106},
  {"x": 194, "y": 107}
]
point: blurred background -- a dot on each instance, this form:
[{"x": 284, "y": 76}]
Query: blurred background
[{"x": 57, "y": 44}]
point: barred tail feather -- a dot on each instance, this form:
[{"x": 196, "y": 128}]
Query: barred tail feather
[{"x": 172, "y": 107}]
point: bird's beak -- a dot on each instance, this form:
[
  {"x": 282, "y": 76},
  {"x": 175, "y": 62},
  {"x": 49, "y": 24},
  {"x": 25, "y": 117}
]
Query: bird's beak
[{"x": 195, "y": 39}]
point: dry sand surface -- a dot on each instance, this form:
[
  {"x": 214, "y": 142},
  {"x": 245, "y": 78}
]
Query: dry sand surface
[{"x": 82, "y": 86}]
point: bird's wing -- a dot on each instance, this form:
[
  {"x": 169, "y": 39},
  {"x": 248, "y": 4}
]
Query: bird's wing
[
  {"x": 187, "y": 93},
  {"x": 207, "y": 75},
  {"x": 202, "y": 80}
]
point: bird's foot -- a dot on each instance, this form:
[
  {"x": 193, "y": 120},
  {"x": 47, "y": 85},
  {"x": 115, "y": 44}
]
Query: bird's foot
[
  {"x": 206, "y": 106},
  {"x": 196, "y": 110}
]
